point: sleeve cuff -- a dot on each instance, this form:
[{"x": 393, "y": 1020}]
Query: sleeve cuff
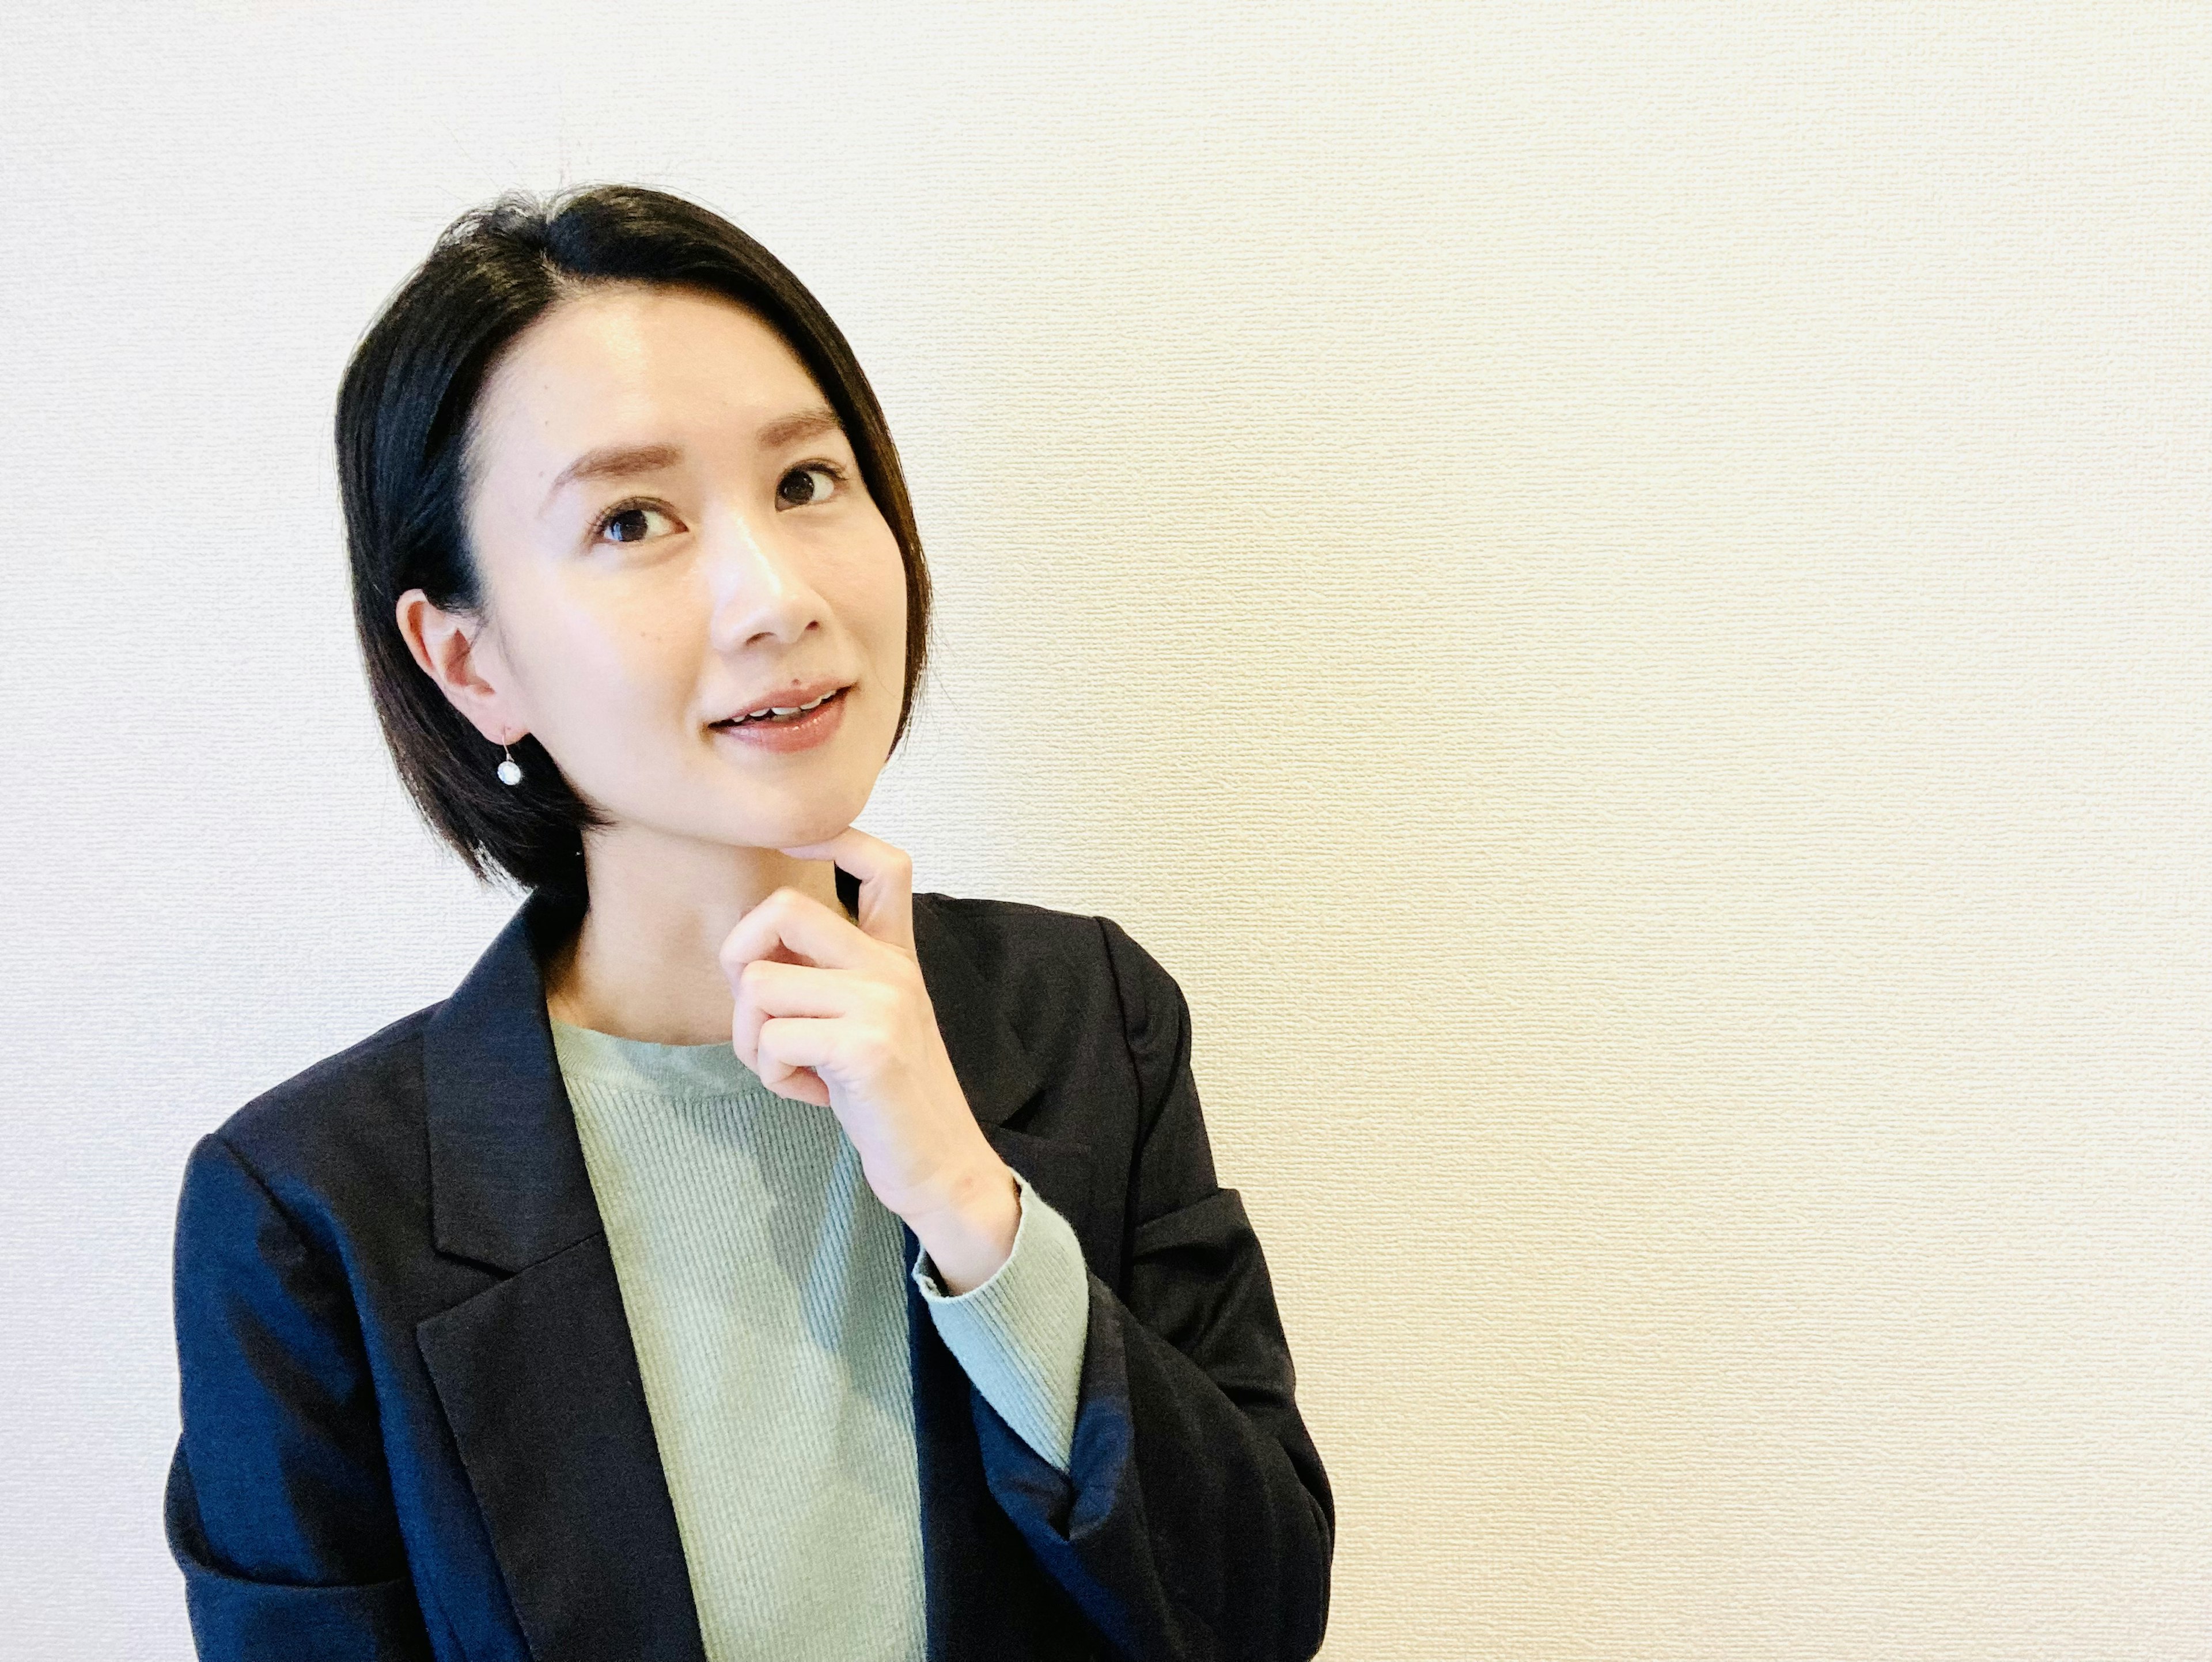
[{"x": 1020, "y": 1335}]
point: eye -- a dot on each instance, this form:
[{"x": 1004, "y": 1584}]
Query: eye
[
  {"x": 802, "y": 487},
  {"x": 633, "y": 522}
]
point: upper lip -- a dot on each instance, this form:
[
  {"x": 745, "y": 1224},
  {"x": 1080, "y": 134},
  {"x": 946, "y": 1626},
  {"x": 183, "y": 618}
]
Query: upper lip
[{"x": 799, "y": 692}]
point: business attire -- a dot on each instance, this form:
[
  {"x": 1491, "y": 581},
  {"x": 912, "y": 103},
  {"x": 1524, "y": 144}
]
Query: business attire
[
  {"x": 761, "y": 1279},
  {"x": 427, "y": 1387}
]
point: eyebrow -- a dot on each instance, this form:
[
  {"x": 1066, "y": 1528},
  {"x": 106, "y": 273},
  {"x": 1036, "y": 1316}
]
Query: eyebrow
[
  {"x": 615, "y": 461},
  {"x": 801, "y": 425}
]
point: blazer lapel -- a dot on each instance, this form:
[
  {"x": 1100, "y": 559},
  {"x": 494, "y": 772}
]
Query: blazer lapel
[
  {"x": 994, "y": 1069},
  {"x": 536, "y": 1374},
  {"x": 987, "y": 1600}
]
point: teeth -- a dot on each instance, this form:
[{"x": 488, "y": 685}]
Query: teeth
[{"x": 767, "y": 711}]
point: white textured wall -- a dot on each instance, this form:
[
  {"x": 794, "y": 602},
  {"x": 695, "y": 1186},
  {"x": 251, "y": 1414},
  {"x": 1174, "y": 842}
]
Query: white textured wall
[{"x": 1621, "y": 591}]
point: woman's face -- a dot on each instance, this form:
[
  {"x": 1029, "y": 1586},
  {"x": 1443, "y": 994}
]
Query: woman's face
[{"x": 671, "y": 531}]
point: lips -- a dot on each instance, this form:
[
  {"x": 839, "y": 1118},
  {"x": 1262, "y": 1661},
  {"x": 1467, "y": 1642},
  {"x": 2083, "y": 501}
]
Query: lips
[
  {"x": 802, "y": 729},
  {"x": 780, "y": 712},
  {"x": 784, "y": 704}
]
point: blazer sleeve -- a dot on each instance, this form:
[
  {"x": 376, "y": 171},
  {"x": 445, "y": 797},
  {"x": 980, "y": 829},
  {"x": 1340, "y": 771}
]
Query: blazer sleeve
[
  {"x": 1195, "y": 1521},
  {"x": 279, "y": 1508}
]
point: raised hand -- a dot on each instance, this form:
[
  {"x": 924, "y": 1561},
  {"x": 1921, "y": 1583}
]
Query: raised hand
[{"x": 837, "y": 1015}]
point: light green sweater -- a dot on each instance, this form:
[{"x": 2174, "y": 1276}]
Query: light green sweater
[{"x": 763, "y": 1287}]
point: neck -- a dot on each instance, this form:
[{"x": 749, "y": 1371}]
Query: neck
[{"x": 643, "y": 965}]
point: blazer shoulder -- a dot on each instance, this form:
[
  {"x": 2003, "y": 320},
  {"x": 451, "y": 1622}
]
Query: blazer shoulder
[
  {"x": 335, "y": 1112},
  {"x": 1038, "y": 959},
  {"x": 1013, "y": 937}
]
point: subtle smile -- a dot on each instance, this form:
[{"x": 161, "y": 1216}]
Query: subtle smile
[{"x": 787, "y": 727}]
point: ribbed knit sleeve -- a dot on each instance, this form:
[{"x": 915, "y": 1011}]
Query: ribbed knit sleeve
[{"x": 1020, "y": 1335}]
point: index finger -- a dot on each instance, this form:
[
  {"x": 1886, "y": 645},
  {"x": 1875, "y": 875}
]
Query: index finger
[{"x": 886, "y": 875}]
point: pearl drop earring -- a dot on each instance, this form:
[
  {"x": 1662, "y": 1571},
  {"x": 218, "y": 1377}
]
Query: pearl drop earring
[{"x": 510, "y": 770}]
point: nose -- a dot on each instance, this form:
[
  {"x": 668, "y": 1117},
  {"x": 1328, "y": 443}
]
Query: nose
[{"x": 759, "y": 586}]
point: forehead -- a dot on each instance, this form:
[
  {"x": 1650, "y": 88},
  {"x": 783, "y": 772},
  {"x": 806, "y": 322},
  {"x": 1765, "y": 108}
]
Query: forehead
[{"x": 635, "y": 363}]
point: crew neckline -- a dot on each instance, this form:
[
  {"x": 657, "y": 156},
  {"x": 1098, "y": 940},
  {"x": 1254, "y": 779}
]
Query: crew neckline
[{"x": 639, "y": 1064}]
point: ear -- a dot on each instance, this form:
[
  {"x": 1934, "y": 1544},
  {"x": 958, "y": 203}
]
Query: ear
[{"x": 454, "y": 649}]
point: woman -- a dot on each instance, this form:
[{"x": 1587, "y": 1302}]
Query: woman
[{"x": 751, "y": 1258}]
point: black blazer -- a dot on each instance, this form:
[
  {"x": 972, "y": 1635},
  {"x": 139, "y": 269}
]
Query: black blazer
[{"x": 413, "y": 1424}]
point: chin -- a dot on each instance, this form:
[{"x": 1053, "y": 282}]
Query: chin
[{"x": 798, "y": 823}]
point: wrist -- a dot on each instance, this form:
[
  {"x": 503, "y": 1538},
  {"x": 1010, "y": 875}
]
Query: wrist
[{"x": 971, "y": 1234}]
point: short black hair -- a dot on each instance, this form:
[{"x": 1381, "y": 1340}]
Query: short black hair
[{"x": 403, "y": 421}]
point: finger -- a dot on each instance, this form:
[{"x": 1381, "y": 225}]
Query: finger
[
  {"x": 768, "y": 987},
  {"x": 801, "y": 1084},
  {"x": 800, "y": 924},
  {"x": 886, "y": 875},
  {"x": 791, "y": 1049},
  {"x": 806, "y": 989}
]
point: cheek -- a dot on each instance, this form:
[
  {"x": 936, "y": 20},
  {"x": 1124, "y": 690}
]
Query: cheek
[
  {"x": 601, "y": 669},
  {"x": 884, "y": 609}
]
